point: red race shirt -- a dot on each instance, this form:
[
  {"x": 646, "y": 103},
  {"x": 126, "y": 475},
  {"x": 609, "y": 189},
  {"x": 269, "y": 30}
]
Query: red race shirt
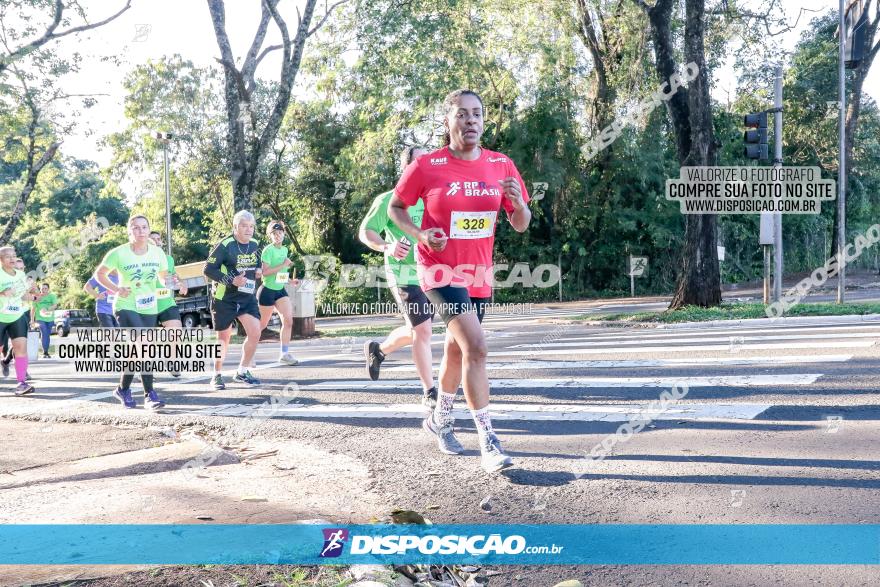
[{"x": 463, "y": 198}]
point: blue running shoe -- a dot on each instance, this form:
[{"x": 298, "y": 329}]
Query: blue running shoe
[
  {"x": 152, "y": 401},
  {"x": 246, "y": 377},
  {"x": 24, "y": 389},
  {"x": 124, "y": 397}
]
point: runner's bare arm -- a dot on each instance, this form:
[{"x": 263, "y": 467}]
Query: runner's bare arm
[
  {"x": 91, "y": 290},
  {"x": 101, "y": 276},
  {"x": 372, "y": 239},
  {"x": 521, "y": 215},
  {"x": 269, "y": 270},
  {"x": 399, "y": 216},
  {"x": 433, "y": 237}
]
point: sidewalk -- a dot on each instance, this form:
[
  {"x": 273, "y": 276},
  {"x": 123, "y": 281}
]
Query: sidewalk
[{"x": 61, "y": 473}]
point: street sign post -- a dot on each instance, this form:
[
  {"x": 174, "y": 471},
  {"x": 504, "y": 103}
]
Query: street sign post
[{"x": 637, "y": 266}]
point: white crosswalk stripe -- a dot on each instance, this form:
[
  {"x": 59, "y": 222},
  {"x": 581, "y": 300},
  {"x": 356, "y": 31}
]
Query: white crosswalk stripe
[
  {"x": 626, "y": 364},
  {"x": 545, "y": 350},
  {"x": 506, "y": 412},
  {"x": 719, "y": 354},
  {"x": 591, "y": 382},
  {"x": 742, "y": 340},
  {"x": 672, "y": 334}
]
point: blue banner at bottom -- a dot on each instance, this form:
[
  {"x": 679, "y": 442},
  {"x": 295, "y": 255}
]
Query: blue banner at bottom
[{"x": 487, "y": 544}]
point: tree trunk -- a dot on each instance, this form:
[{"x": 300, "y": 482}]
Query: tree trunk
[
  {"x": 690, "y": 111},
  {"x": 853, "y": 111},
  {"x": 247, "y": 144},
  {"x": 699, "y": 282}
]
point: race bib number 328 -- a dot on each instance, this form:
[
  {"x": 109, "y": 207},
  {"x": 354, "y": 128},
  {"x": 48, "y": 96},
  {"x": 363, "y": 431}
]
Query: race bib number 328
[{"x": 470, "y": 225}]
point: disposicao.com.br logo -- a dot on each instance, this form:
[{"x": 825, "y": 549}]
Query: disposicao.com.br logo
[
  {"x": 475, "y": 545},
  {"x": 334, "y": 542}
]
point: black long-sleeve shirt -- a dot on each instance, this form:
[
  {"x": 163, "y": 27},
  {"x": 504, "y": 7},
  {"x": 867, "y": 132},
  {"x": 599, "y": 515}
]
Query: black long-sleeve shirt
[{"x": 230, "y": 259}]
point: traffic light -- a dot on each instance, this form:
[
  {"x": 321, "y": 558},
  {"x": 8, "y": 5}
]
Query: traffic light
[
  {"x": 855, "y": 29},
  {"x": 756, "y": 140}
]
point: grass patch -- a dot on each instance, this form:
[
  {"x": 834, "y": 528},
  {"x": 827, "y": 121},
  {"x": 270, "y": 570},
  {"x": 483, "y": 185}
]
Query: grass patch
[{"x": 733, "y": 312}]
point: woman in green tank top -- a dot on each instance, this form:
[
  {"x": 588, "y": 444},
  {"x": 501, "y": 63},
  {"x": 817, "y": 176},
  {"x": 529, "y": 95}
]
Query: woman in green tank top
[
  {"x": 15, "y": 294},
  {"x": 277, "y": 273},
  {"x": 139, "y": 264}
]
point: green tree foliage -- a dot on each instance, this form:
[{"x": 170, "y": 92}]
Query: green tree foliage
[
  {"x": 372, "y": 82},
  {"x": 172, "y": 95}
]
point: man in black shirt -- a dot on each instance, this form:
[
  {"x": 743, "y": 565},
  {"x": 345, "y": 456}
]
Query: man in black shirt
[{"x": 234, "y": 265}]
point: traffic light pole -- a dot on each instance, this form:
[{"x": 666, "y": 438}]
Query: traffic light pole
[
  {"x": 757, "y": 148},
  {"x": 777, "y": 162},
  {"x": 841, "y": 176}
]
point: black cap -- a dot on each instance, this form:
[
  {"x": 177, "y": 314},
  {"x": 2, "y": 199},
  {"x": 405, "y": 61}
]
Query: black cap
[{"x": 277, "y": 226}]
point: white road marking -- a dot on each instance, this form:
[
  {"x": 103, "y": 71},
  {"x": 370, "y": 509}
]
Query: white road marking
[
  {"x": 787, "y": 346},
  {"x": 741, "y": 340},
  {"x": 600, "y": 364},
  {"x": 653, "y": 334},
  {"x": 593, "y": 382},
  {"x": 499, "y": 412},
  {"x": 28, "y": 406},
  {"x": 302, "y": 361}
]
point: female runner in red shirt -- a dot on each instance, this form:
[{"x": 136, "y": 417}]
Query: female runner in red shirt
[{"x": 463, "y": 186}]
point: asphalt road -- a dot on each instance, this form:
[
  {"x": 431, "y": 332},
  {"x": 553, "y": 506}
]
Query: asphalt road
[{"x": 779, "y": 424}]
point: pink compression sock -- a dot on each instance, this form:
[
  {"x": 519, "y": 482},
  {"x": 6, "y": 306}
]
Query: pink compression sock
[{"x": 21, "y": 364}]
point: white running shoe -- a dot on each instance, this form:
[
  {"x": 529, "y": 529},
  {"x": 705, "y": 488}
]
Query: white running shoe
[{"x": 288, "y": 358}]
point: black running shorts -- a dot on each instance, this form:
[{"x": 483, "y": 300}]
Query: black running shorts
[
  {"x": 224, "y": 313},
  {"x": 451, "y": 302}
]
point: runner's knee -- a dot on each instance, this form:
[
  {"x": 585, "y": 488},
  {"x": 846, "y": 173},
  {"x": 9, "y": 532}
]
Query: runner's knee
[
  {"x": 475, "y": 351},
  {"x": 452, "y": 350},
  {"x": 422, "y": 333}
]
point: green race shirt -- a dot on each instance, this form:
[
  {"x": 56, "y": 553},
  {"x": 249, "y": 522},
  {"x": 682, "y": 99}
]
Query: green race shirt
[
  {"x": 12, "y": 307},
  {"x": 402, "y": 272},
  {"x": 44, "y": 314},
  {"x": 274, "y": 256},
  {"x": 164, "y": 295},
  {"x": 140, "y": 274}
]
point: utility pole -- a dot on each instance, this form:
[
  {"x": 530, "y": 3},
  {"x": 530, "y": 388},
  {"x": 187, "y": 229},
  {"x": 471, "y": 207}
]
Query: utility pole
[
  {"x": 164, "y": 137},
  {"x": 841, "y": 177},
  {"x": 777, "y": 162}
]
